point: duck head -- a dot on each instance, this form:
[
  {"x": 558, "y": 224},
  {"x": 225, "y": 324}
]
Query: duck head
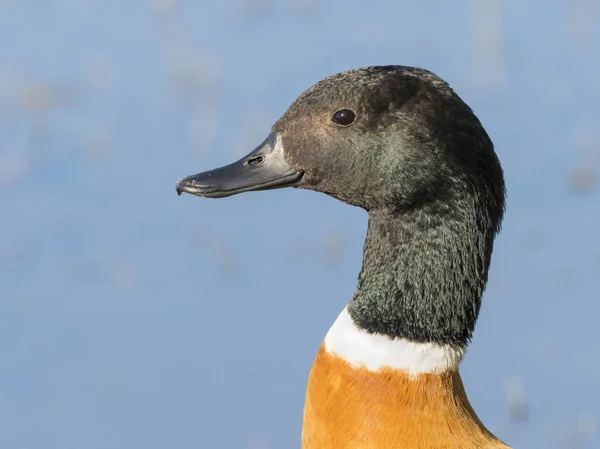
[
  {"x": 400, "y": 143},
  {"x": 384, "y": 137}
]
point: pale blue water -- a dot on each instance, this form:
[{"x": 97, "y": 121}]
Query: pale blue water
[{"x": 130, "y": 317}]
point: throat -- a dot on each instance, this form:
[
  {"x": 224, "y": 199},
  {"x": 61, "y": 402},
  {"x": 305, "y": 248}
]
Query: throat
[{"x": 423, "y": 275}]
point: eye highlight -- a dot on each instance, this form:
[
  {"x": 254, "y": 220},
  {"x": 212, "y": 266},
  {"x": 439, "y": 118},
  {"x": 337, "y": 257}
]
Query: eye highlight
[{"x": 344, "y": 117}]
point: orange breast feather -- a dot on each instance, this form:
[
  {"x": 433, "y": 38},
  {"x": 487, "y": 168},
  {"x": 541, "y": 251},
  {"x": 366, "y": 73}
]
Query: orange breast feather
[{"x": 354, "y": 408}]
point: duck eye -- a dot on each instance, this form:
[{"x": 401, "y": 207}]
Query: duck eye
[{"x": 344, "y": 117}]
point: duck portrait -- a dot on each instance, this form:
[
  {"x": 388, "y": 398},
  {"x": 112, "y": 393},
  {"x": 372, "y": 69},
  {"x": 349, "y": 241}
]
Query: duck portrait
[{"x": 399, "y": 143}]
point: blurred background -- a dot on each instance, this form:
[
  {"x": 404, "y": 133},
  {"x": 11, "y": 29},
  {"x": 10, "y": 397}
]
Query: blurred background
[{"x": 131, "y": 318}]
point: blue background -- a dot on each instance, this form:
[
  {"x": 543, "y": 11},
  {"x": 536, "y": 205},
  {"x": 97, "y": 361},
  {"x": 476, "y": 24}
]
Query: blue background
[{"x": 130, "y": 317}]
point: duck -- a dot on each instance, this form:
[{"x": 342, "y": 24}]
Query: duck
[{"x": 398, "y": 142}]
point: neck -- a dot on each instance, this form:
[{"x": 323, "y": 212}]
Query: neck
[
  {"x": 423, "y": 275},
  {"x": 387, "y": 373},
  {"x": 362, "y": 349}
]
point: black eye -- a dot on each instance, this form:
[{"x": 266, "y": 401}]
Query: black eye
[{"x": 344, "y": 117}]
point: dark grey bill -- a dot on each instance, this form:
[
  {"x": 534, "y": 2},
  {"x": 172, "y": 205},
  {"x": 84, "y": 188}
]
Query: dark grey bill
[{"x": 263, "y": 169}]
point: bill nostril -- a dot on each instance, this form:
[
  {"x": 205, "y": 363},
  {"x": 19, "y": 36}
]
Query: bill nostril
[{"x": 256, "y": 160}]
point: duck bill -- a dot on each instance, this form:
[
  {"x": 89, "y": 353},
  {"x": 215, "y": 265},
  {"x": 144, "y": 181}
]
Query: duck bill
[{"x": 264, "y": 168}]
